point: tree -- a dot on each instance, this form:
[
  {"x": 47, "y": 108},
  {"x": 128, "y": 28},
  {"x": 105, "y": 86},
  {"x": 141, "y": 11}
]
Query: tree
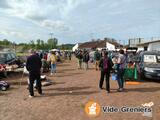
[
  {"x": 32, "y": 44},
  {"x": 5, "y": 42},
  {"x": 38, "y": 45},
  {"x": 52, "y": 43},
  {"x": 66, "y": 46},
  {"x": 42, "y": 44}
]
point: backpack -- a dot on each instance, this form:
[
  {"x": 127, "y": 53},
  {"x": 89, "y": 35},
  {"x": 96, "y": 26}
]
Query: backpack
[
  {"x": 80, "y": 56},
  {"x": 86, "y": 58},
  {"x": 97, "y": 56},
  {"x": 4, "y": 85},
  {"x": 53, "y": 58}
]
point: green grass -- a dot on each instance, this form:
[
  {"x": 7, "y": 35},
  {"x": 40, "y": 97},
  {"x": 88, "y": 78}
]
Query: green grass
[{"x": 22, "y": 54}]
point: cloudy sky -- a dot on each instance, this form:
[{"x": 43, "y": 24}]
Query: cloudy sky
[{"x": 73, "y": 21}]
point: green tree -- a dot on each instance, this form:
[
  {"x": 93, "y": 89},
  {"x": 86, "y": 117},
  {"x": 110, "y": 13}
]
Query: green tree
[
  {"x": 38, "y": 45},
  {"x": 6, "y": 42},
  {"x": 31, "y": 44},
  {"x": 52, "y": 43},
  {"x": 42, "y": 45}
]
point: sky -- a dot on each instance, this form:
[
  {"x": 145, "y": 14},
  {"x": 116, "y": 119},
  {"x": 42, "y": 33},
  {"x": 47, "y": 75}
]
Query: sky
[{"x": 77, "y": 21}]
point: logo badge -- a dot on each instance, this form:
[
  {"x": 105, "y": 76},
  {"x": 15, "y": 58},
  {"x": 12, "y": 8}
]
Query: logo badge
[
  {"x": 92, "y": 109},
  {"x": 149, "y": 105}
]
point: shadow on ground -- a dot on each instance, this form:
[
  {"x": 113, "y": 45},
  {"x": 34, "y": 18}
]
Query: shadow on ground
[
  {"x": 147, "y": 89},
  {"x": 63, "y": 64},
  {"x": 69, "y": 91},
  {"x": 67, "y": 75},
  {"x": 68, "y": 70},
  {"x": 2, "y": 93},
  {"x": 57, "y": 83},
  {"x": 149, "y": 80},
  {"x": 7, "y": 91},
  {"x": 18, "y": 83},
  {"x": 68, "y": 88},
  {"x": 71, "y": 94}
]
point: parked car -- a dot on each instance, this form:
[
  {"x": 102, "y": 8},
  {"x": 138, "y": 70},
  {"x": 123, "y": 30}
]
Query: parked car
[
  {"x": 4, "y": 85},
  {"x": 149, "y": 64},
  {"x": 9, "y": 58},
  {"x": 9, "y": 62}
]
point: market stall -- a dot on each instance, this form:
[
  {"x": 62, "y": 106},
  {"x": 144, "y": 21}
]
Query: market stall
[{"x": 131, "y": 64}]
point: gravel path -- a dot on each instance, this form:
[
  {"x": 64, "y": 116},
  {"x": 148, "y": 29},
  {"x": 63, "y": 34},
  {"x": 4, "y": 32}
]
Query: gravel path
[{"x": 67, "y": 97}]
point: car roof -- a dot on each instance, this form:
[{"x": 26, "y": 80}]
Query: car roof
[
  {"x": 151, "y": 52},
  {"x": 2, "y": 52}
]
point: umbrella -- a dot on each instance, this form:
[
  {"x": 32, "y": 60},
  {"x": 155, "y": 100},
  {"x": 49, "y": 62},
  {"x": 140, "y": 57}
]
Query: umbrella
[{"x": 55, "y": 50}]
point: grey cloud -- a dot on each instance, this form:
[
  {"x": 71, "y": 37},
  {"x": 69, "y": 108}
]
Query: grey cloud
[
  {"x": 55, "y": 25},
  {"x": 4, "y": 4},
  {"x": 36, "y": 17},
  {"x": 12, "y": 33}
]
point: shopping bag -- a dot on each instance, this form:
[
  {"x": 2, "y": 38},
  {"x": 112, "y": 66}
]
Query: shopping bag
[
  {"x": 114, "y": 76},
  {"x": 129, "y": 72}
]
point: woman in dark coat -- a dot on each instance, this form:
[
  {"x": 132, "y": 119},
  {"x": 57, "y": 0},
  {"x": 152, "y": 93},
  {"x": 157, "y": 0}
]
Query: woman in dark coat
[{"x": 105, "y": 67}]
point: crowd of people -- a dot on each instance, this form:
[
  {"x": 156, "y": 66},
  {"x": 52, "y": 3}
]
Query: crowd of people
[
  {"x": 102, "y": 60},
  {"x": 105, "y": 62}
]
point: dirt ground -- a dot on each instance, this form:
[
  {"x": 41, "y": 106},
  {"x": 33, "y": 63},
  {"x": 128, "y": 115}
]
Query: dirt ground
[{"x": 59, "y": 103}]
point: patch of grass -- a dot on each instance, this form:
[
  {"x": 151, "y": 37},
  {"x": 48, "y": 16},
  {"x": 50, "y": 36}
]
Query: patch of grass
[{"x": 22, "y": 54}]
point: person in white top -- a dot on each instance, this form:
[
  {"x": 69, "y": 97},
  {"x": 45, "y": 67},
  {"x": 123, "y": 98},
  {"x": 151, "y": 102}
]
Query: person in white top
[{"x": 121, "y": 69}]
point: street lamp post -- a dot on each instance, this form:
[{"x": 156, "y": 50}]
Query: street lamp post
[
  {"x": 51, "y": 34},
  {"x": 119, "y": 44},
  {"x": 92, "y": 35}
]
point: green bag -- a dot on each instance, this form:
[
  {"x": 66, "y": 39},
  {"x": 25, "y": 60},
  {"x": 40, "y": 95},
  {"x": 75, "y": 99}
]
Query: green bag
[
  {"x": 135, "y": 73},
  {"x": 129, "y": 73}
]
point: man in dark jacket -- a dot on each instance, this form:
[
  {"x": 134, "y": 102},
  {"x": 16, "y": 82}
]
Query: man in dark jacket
[
  {"x": 33, "y": 65},
  {"x": 85, "y": 59},
  {"x": 69, "y": 55},
  {"x": 97, "y": 57},
  {"x": 80, "y": 59},
  {"x": 105, "y": 66}
]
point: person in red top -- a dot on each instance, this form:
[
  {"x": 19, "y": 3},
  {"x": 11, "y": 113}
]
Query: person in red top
[
  {"x": 45, "y": 56},
  {"x": 105, "y": 67}
]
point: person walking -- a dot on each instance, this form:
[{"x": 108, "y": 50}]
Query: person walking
[
  {"x": 121, "y": 70},
  {"x": 69, "y": 56},
  {"x": 105, "y": 67},
  {"x": 33, "y": 65},
  {"x": 80, "y": 59},
  {"x": 97, "y": 57},
  {"x": 53, "y": 60},
  {"x": 85, "y": 60}
]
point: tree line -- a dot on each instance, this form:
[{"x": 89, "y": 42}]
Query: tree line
[{"x": 38, "y": 44}]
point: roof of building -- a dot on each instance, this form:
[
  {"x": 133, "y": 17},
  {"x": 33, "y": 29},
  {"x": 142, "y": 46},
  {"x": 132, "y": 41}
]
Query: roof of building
[
  {"x": 98, "y": 44},
  {"x": 150, "y": 53},
  {"x": 147, "y": 43}
]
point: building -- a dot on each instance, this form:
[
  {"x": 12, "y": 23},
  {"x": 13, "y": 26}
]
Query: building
[
  {"x": 101, "y": 44},
  {"x": 133, "y": 42},
  {"x": 150, "y": 46},
  {"x": 76, "y": 47}
]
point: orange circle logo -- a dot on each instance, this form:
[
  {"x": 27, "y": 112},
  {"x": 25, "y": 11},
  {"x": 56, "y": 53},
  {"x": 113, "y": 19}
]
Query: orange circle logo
[{"x": 92, "y": 109}]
